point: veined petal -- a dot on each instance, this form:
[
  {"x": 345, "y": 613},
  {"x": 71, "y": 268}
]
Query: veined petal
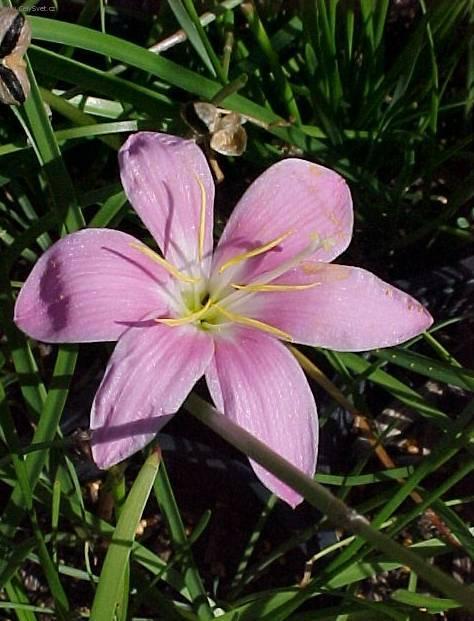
[
  {"x": 151, "y": 372},
  {"x": 297, "y": 199},
  {"x": 347, "y": 309},
  {"x": 89, "y": 286},
  {"x": 257, "y": 383},
  {"x": 168, "y": 182}
]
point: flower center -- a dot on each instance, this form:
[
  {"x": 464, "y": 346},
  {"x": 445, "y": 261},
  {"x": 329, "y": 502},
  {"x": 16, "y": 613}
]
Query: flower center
[
  {"x": 211, "y": 309},
  {"x": 211, "y": 305}
]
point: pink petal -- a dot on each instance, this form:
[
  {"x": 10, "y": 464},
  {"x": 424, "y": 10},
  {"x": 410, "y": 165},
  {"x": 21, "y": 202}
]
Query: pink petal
[
  {"x": 162, "y": 176},
  {"x": 257, "y": 383},
  {"x": 292, "y": 196},
  {"x": 88, "y": 287},
  {"x": 149, "y": 375},
  {"x": 349, "y": 310}
]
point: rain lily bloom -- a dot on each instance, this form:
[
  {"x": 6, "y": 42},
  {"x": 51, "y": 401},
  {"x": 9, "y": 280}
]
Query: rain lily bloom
[{"x": 189, "y": 312}]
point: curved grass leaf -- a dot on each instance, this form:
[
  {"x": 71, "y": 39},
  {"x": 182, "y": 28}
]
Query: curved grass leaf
[
  {"x": 108, "y": 593},
  {"x": 189, "y": 81},
  {"x": 429, "y": 367},
  {"x": 433, "y": 604},
  {"x": 337, "y": 511}
]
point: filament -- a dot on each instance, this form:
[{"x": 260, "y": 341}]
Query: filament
[
  {"x": 171, "y": 269},
  {"x": 253, "y": 323},
  {"x": 255, "y": 288},
  {"x": 202, "y": 219},
  {"x": 255, "y": 252}
]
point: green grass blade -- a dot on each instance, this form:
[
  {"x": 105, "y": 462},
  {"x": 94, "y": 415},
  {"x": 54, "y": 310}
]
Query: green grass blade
[
  {"x": 59, "y": 181},
  {"x": 135, "y": 56},
  {"x": 188, "y": 19},
  {"x": 446, "y": 449},
  {"x": 166, "y": 500},
  {"x": 17, "y": 594},
  {"x": 398, "y": 389},
  {"x": 319, "y": 497},
  {"x": 51, "y": 409},
  {"x": 435, "y": 95},
  {"x": 284, "y": 87},
  {"x": 253, "y": 540},
  {"x": 90, "y": 78},
  {"x": 76, "y": 116},
  {"x": 433, "y": 604},
  {"x": 109, "y": 210},
  {"x": 434, "y": 369},
  {"x": 116, "y": 561}
]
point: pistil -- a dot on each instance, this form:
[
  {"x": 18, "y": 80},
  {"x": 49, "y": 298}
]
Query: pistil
[{"x": 264, "y": 281}]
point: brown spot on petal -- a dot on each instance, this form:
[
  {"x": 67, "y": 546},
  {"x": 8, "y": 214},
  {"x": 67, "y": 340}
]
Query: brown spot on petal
[
  {"x": 315, "y": 170},
  {"x": 336, "y": 272},
  {"x": 334, "y": 219},
  {"x": 311, "y": 267}
]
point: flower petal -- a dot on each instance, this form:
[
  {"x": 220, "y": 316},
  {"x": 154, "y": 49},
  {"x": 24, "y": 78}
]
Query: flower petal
[
  {"x": 296, "y": 197},
  {"x": 349, "y": 309},
  {"x": 257, "y": 383},
  {"x": 166, "y": 180},
  {"x": 149, "y": 375},
  {"x": 88, "y": 287}
]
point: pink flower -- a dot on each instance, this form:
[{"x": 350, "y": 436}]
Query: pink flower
[{"x": 222, "y": 315}]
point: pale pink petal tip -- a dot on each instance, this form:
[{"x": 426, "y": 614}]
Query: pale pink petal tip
[
  {"x": 257, "y": 383},
  {"x": 347, "y": 309}
]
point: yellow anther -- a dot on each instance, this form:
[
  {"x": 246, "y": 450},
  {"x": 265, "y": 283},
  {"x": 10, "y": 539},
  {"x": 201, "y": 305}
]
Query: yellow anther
[
  {"x": 255, "y": 252},
  {"x": 171, "y": 269},
  {"x": 258, "y": 287},
  {"x": 202, "y": 219},
  {"x": 253, "y": 323},
  {"x": 182, "y": 321}
]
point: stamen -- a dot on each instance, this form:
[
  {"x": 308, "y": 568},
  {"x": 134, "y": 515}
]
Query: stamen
[
  {"x": 253, "y": 323},
  {"x": 171, "y": 269},
  {"x": 315, "y": 243},
  {"x": 257, "y": 287},
  {"x": 181, "y": 321},
  {"x": 202, "y": 219},
  {"x": 255, "y": 252},
  {"x": 268, "y": 277}
]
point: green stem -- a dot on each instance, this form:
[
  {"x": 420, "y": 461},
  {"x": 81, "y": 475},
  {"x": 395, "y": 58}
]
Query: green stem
[{"x": 338, "y": 512}]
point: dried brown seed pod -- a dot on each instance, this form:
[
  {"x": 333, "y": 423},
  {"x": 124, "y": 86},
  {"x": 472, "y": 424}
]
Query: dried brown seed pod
[{"x": 15, "y": 37}]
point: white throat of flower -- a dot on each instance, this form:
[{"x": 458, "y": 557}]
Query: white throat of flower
[{"x": 209, "y": 304}]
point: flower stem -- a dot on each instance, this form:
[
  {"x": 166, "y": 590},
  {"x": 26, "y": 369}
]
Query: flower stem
[{"x": 338, "y": 512}]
